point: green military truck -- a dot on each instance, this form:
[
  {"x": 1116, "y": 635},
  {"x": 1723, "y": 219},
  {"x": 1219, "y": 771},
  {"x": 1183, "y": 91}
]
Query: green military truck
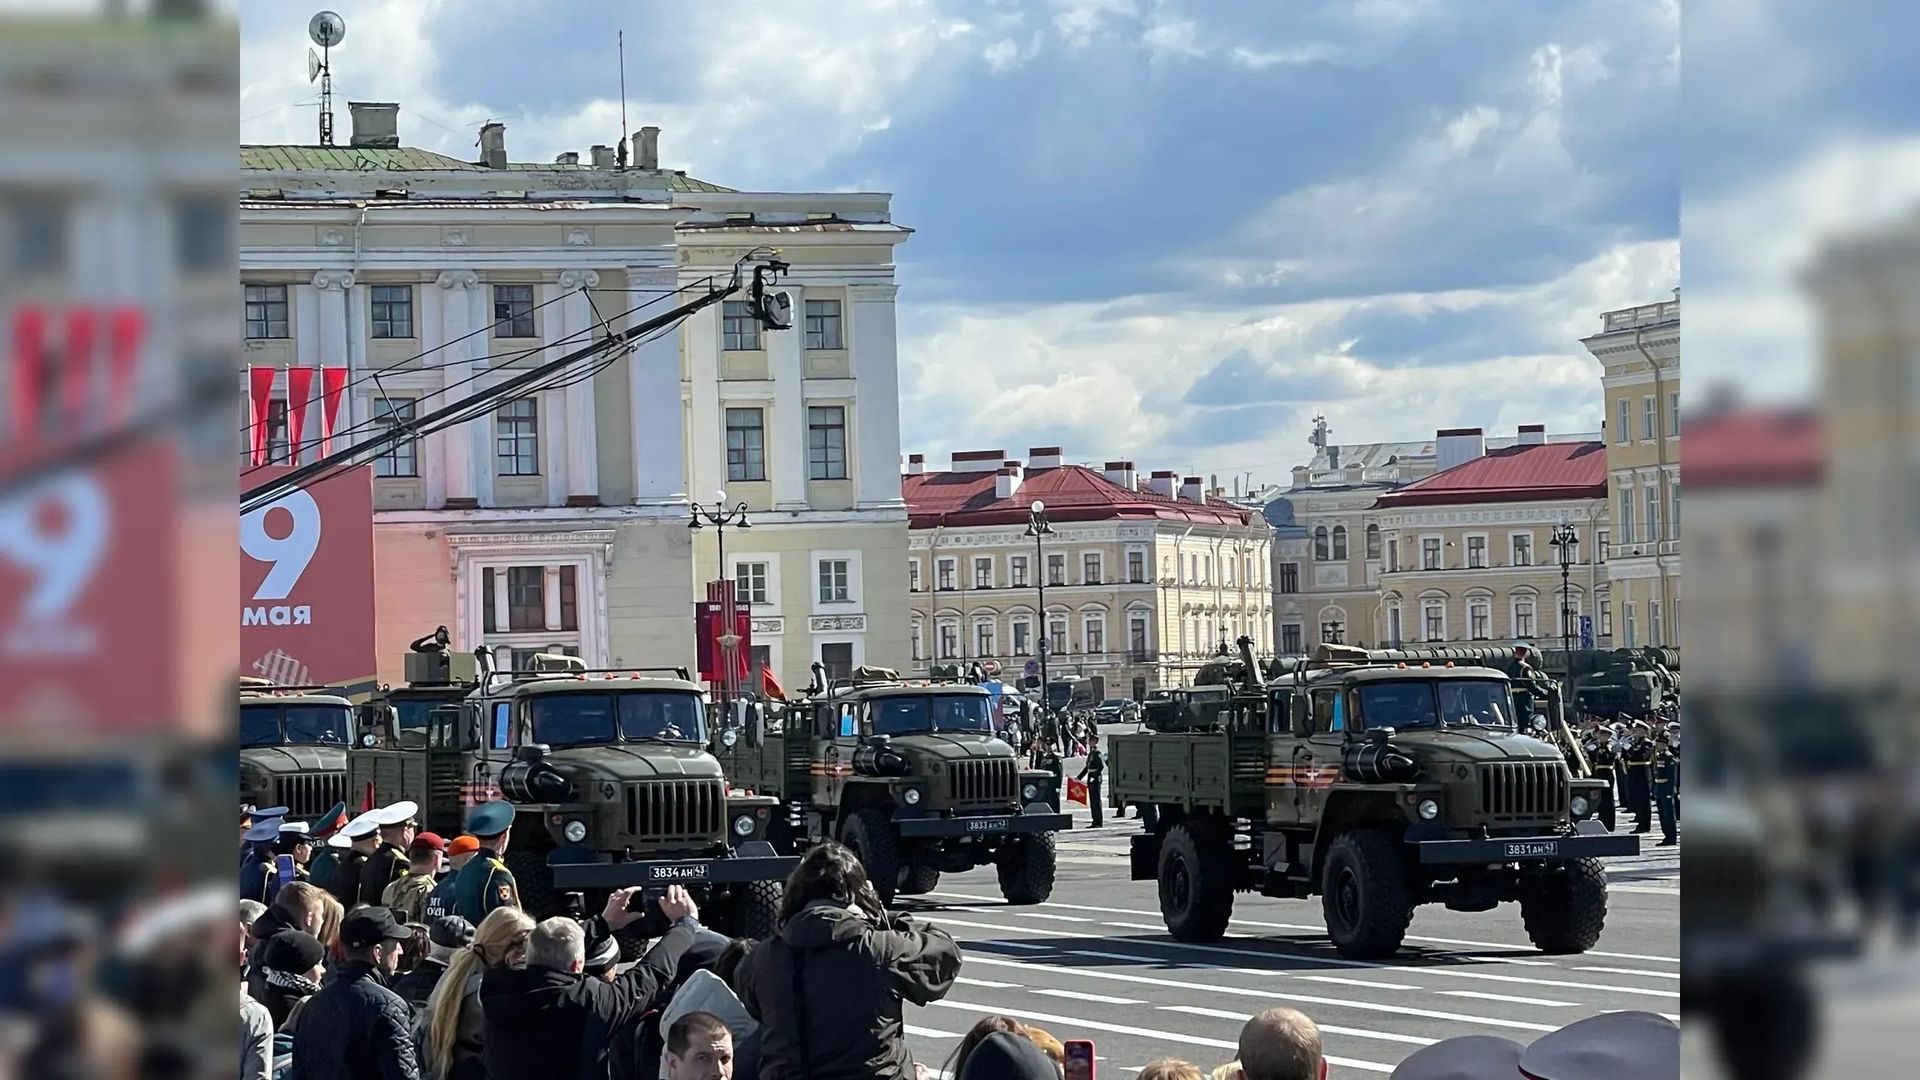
[
  {"x": 612, "y": 783},
  {"x": 434, "y": 678},
  {"x": 909, "y": 775},
  {"x": 1376, "y": 786},
  {"x": 293, "y": 746}
]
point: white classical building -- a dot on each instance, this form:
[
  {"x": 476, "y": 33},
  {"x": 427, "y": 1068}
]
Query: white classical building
[{"x": 560, "y": 519}]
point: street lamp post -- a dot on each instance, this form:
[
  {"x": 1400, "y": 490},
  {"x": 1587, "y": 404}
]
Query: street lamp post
[
  {"x": 1038, "y": 528},
  {"x": 1565, "y": 542},
  {"x": 720, "y": 517}
]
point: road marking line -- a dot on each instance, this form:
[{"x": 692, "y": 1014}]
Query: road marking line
[
  {"x": 1507, "y": 998},
  {"x": 1082, "y": 995},
  {"x": 930, "y": 1033},
  {"x": 1177, "y": 984},
  {"x": 1631, "y": 971},
  {"x": 1054, "y": 918},
  {"x": 1357, "y": 1033},
  {"x": 1161, "y": 929},
  {"x": 1336, "y": 980},
  {"x": 1147, "y": 1033},
  {"x": 965, "y": 981}
]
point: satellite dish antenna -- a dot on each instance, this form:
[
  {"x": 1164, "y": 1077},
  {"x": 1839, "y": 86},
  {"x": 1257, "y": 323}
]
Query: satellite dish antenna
[
  {"x": 313, "y": 65},
  {"x": 327, "y": 29}
]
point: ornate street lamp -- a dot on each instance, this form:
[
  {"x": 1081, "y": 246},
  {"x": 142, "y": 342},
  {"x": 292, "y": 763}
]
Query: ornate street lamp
[
  {"x": 720, "y": 517},
  {"x": 1038, "y": 528},
  {"x": 1565, "y": 542}
]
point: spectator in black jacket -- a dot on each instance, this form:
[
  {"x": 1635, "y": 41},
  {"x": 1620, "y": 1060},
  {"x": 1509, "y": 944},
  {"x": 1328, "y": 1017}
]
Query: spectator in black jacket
[
  {"x": 292, "y": 963},
  {"x": 445, "y": 936},
  {"x": 827, "y": 988},
  {"x": 548, "y": 1020},
  {"x": 299, "y": 906},
  {"x": 355, "y": 1028}
]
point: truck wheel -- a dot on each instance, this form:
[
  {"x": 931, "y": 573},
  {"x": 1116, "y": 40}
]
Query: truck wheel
[
  {"x": 1026, "y": 869},
  {"x": 756, "y": 909},
  {"x": 1196, "y": 882},
  {"x": 533, "y": 881},
  {"x": 919, "y": 879},
  {"x": 1565, "y": 909},
  {"x": 1364, "y": 896},
  {"x": 870, "y": 834}
]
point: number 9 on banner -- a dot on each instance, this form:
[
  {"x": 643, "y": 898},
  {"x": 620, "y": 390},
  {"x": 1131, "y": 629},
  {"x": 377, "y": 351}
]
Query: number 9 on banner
[
  {"x": 287, "y": 555},
  {"x": 62, "y": 562}
]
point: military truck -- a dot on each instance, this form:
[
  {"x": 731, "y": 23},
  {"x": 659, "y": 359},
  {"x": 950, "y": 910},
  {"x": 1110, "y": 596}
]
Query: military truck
[
  {"x": 293, "y": 745},
  {"x": 909, "y": 774},
  {"x": 1376, "y": 786},
  {"x": 434, "y": 679},
  {"x": 612, "y": 783}
]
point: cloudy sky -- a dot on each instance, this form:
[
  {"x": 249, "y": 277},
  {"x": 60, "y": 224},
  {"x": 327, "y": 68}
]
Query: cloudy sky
[{"x": 1170, "y": 230}]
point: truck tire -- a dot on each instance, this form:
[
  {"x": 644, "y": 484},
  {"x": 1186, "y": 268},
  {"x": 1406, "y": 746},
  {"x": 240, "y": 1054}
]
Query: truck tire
[
  {"x": 870, "y": 834},
  {"x": 919, "y": 879},
  {"x": 1196, "y": 882},
  {"x": 1026, "y": 869},
  {"x": 1363, "y": 894},
  {"x": 755, "y": 910},
  {"x": 1565, "y": 910}
]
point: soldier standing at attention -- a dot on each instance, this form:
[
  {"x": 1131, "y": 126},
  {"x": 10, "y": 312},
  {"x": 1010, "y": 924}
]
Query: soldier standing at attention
[
  {"x": 485, "y": 883},
  {"x": 1094, "y": 772},
  {"x": 1639, "y": 756},
  {"x": 387, "y": 863},
  {"x": 1598, "y": 746},
  {"x": 323, "y": 829},
  {"x": 256, "y": 873},
  {"x": 439, "y": 902},
  {"x": 1666, "y": 784},
  {"x": 357, "y": 843}
]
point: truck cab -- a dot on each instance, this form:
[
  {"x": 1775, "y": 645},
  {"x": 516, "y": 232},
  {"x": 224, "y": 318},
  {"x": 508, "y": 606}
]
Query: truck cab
[{"x": 293, "y": 746}]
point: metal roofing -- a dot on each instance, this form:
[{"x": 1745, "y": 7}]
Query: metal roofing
[
  {"x": 1377, "y": 455},
  {"x": 295, "y": 158},
  {"x": 1753, "y": 448},
  {"x": 1071, "y": 492},
  {"x": 1555, "y": 470}
]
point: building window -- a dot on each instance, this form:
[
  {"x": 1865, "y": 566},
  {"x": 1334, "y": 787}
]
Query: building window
[
  {"x": 1333, "y": 632},
  {"x": 746, "y": 444},
  {"x": 1626, "y": 515},
  {"x": 266, "y": 312},
  {"x": 1673, "y": 514},
  {"x": 943, "y": 571},
  {"x": 279, "y": 448},
  {"x": 1523, "y": 549},
  {"x": 1653, "y": 622},
  {"x": 1606, "y": 618},
  {"x": 1433, "y": 613},
  {"x": 526, "y": 598},
  {"x": 1137, "y": 638},
  {"x": 983, "y": 639},
  {"x": 739, "y": 330},
  {"x": 837, "y": 658},
  {"x": 1523, "y": 623},
  {"x": 1320, "y": 544},
  {"x": 1673, "y": 414},
  {"x": 1373, "y": 541},
  {"x": 823, "y": 325},
  {"x": 1623, "y": 421},
  {"x": 516, "y": 431},
  {"x": 983, "y": 572},
  {"x": 1477, "y": 552},
  {"x": 1290, "y": 638},
  {"x": 1289, "y": 577},
  {"x": 1094, "y": 635},
  {"x": 393, "y": 311},
  {"x": 750, "y": 582},
  {"x": 949, "y": 639},
  {"x": 919, "y": 645},
  {"x": 1633, "y": 631},
  {"x": 1600, "y": 544},
  {"x": 913, "y": 575},
  {"x": 827, "y": 442},
  {"x": 203, "y": 232},
  {"x": 1648, "y": 417},
  {"x": 1393, "y": 625},
  {"x": 1430, "y": 553},
  {"x": 1653, "y": 516},
  {"x": 833, "y": 581},
  {"x": 1479, "y": 619},
  {"x": 1090, "y": 569},
  {"x": 1017, "y": 571},
  {"x": 513, "y": 311},
  {"x": 1022, "y": 637},
  {"x": 1339, "y": 542},
  {"x": 1136, "y": 567},
  {"x": 1057, "y": 635},
  {"x": 40, "y": 237},
  {"x": 1056, "y": 569},
  {"x": 1393, "y": 555},
  {"x": 401, "y": 457}
]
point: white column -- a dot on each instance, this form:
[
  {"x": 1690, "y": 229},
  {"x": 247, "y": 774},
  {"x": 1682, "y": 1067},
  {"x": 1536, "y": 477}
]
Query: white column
[
  {"x": 333, "y": 287},
  {"x": 550, "y": 593},
  {"x": 653, "y": 380},
  {"x": 502, "y": 621},
  {"x": 707, "y": 473},
  {"x": 583, "y": 442},
  {"x": 480, "y": 431},
  {"x": 556, "y": 428},
  {"x": 787, "y": 426},
  {"x": 456, "y": 443},
  {"x": 433, "y": 458},
  {"x": 876, "y": 380}
]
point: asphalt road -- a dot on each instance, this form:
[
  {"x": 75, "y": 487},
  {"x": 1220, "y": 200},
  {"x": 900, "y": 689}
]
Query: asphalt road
[{"x": 1096, "y": 962}]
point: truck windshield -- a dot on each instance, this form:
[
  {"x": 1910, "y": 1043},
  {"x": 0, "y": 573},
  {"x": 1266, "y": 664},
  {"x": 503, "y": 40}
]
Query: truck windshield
[
  {"x": 662, "y": 716},
  {"x": 940, "y": 712},
  {"x": 1417, "y": 704},
  {"x": 586, "y": 719},
  {"x": 273, "y": 725},
  {"x": 414, "y": 712}
]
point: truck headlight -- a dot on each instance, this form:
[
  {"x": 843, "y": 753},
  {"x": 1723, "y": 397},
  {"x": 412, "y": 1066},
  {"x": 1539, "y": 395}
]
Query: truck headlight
[
  {"x": 575, "y": 831},
  {"x": 743, "y": 825},
  {"x": 912, "y": 796},
  {"x": 1429, "y": 809},
  {"x": 1030, "y": 792},
  {"x": 1578, "y": 806}
]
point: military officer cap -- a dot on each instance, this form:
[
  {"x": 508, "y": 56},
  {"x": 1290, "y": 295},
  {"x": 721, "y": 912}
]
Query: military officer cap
[
  {"x": 263, "y": 831},
  {"x": 330, "y": 822},
  {"x": 359, "y": 828},
  {"x": 259, "y": 812},
  {"x": 396, "y": 814},
  {"x": 1464, "y": 1057},
  {"x": 295, "y": 832},
  {"x": 1642, "y": 1045},
  {"x": 490, "y": 819}
]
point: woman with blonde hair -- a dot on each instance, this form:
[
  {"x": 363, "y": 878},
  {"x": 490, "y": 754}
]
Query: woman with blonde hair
[
  {"x": 452, "y": 1030},
  {"x": 331, "y": 916},
  {"x": 1171, "y": 1069}
]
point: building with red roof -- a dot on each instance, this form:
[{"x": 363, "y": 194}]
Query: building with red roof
[{"x": 1144, "y": 574}]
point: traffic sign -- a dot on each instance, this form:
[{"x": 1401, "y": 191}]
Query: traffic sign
[
  {"x": 1033, "y": 667},
  {"x": 1586, "y": 631}
]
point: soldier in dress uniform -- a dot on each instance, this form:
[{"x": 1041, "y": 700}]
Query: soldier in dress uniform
[
  {"x": 256, "y": 872},
  {"x": 356, "y": 843},
  {"x": 251, "y": 816},
  {"x": 439, "y": 902},
  {"x": 1643, "y": 1045},
  {"x": 1597, "y": 743},
  {"x": 387, "y": 863},
  {"x": 485, "y": 883},
  {"x": 1666, "y": 783},
  {"x": 292, "y": 852},
  {"x": 1638, "y": 755},
  {"x": 320, "y": 830},
  {"x": 1463, "y": 1057}
]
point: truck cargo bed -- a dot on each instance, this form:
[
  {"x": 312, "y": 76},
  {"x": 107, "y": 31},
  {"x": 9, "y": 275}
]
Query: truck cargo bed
[{"x": 1205, "y": 770}]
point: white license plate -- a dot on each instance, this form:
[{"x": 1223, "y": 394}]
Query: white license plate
[
  {"x": 987, "y": 825},
  {"x": 678, "y": 872},
  {"x": 1524, "y": 848}
]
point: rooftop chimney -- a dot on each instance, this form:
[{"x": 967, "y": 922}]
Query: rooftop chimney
[
  {"x": 1162, "y": 482},
  {"x": 916, "y": 464},
  {"x": 375, "y": 123},
  {"x": 1333, "y": 457},
  {"x": 1302, "y": 476},
  {"x": 1457, "y": 446},
  {"x": 493, "y": 145},
  {"x": 1006, "y": 482},
  {"x": 646, "y": 148},
  {"x": 1122, "y": 474},
  {"x": 602, "y": 156},
  {"x": 1533, "y": 434},
  {"x": 970, "y": 461},
  {"x": 1190, "y": 490},
  {"x": 567, "y": 157},
  {"x": 1044, "y": 457}
]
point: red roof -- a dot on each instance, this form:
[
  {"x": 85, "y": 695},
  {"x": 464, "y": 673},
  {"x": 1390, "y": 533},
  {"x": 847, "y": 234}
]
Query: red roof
[
  {"x": 1530, "y": 473},
  {"x": 1752, "y": 448},
  {"x": 1071, "y": 492}
]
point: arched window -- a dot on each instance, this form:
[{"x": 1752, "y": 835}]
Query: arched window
[
  {"x": 1373, "y": 541},
  {"x": 1339, "y": 542},
  {"x": 1320, "y": 543}
]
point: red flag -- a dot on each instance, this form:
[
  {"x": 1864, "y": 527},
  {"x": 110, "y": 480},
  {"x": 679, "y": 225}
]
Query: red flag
[
  {"x": 260, "y": 391},
  {"x": 125, "y": 335},
  {"x": 770, "y": 686},
  {"x": 79, "y": 373},
  {"x": 1076, "y": 791},
  {"x": 299, "y": 395},
  {"x": 29, "y": 358},
  {"x": 333, "y": 380},
  {"x": 367, "y": 804}
]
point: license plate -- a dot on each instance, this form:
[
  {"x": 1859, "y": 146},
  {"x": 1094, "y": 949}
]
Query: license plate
[
  {"x": 1523, "y": 848},
  {"x": 987, "y": 824},
  {"x": 678, "y": 872}
]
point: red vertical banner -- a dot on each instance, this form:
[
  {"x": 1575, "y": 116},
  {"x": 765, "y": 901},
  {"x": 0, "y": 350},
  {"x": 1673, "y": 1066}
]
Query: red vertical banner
[
  {"x": 78, "y": 381},
  {"x": 333, "y": 380},
  {"x": 259, "y": 392},
  {"x": 124, "y": 341},
  {"x": 299, "y": 396},
  {"x": 29, "y": 363}
]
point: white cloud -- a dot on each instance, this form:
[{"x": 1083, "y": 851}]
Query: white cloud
[
  {"x": 1078, "y": 22},
  {"x": 1172, "y": 40},
  {"x": 1261, "y": 59}
]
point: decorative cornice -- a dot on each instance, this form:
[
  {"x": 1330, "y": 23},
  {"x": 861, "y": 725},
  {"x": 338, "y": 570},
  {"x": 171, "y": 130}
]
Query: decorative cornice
[
  {"x": 872, "y": 293},
  {"x": 458, "y": 279},
  {"x": 579, "y": 537},
  {"x": 333, "y": 279},
  {"x": 579, "y": 279}
]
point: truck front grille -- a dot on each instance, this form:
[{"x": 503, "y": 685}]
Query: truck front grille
[
  {"x": 1523, "y": 789},
  {"x": 308, "y": 794},
  {"x": 676, "y": 810},
  {"x": 984, "y": 782}
]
